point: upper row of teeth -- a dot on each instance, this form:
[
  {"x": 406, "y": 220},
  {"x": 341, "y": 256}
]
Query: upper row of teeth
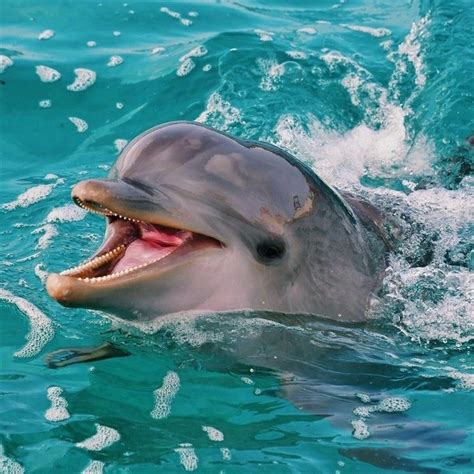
[
  {"x": 123, "y": 272},
  {"x": 95, "y": 262},
  {"x": 106, "y": 212}
]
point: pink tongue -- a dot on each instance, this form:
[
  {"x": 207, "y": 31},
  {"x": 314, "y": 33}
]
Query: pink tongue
[
  {"x": 139, "y": 252},
  {"x": 153, "y": 245}
]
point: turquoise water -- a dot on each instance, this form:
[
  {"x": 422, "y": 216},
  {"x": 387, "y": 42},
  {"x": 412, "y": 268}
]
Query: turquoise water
[{"x": 377, "y": 96}]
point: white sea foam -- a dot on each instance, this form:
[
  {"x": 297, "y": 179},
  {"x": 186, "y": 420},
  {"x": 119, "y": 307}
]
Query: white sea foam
[
  {"x": 66, "y": 213},
  {"x": 48, "y": 231},
  {"x": 103, "y": 438},
  {"x": 226, "y": 454},
  {"x": 271, "y": 74},
  {"x": 213, "y": 433},
  {"x": 165, "y": 395},
  {"x": 247, "y": 380},
  {"x": 177, "y": 15},
  {"x": 8, "y": 465},
  {"x": 58, "y": 410},
  {"x": 47, "y": 74},
  {"x": 83, "y": 80},
  {"x": 410, "y": 51},
  {"x": 196, "y": 52},
  {"x": 360, "y": 429},
  {"x": 115, "y": 61},
  {"x": 377, "y": 32},
  {"x": 297, "y": 54},
  {"x": 186, "y": 67},
  {"x": 30, "y": 196},
  {"x": 264, "y": 35},
  {"x": 465, "y": 380},
  {"x": 41, "y": 328},
  {"x": 94, "y": 467},
  {"x": 81, "y": 125},
  {"x": 45, "y": 104},
  {"x": 91, "y": 44},
  {"x": 5, "y": 62},
  {"x": 187, "y": 456},
  {"x": 46, "y": 34},
  {"x": 117, "y": 33},
  {"x": 157, "y": 50},
  {"x": 309, "y": 30},
  {"x": 40, "y": 272},
  {"x": 219, "y": 112},
  {"x": 120, "y": 144},
  {"x": 193, "y": 14}
]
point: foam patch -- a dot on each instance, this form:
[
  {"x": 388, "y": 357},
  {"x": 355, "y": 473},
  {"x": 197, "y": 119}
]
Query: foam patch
[
  {"x": 104, "y": 437},
  {"x": 41, "y": 328},
  {"x": 81, "y": 125},
  {"x": 94, "y": 467},
  {"x": 165, "y": 395},
  {"x": 187, "y": 456},
  {"x": 46, "y": 34},
  {"x": 186, "y": 67},
  {"x": 5, "y": 62},
  {"x": 58, "y": 410},
  {"x": 213, "y": 433},
  {"x": 8, "y": 465},
  {"x": 84, "y": 79},
  {"x": 47, "y": 74}
]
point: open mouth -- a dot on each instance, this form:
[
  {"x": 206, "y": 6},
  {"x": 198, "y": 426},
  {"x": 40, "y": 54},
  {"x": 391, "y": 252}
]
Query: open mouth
[{"x": 131, "y": 245}]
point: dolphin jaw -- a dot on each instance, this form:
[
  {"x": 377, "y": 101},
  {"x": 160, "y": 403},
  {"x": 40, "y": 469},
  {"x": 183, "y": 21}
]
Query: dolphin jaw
[{"x": 130, "y": 246}]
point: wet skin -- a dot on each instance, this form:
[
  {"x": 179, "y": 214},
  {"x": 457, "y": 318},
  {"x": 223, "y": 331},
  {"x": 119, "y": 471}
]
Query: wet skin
[{"x": 225, "y": 224}]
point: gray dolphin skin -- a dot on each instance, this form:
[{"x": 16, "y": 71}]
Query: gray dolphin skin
[{"x": 199, "y": 220}]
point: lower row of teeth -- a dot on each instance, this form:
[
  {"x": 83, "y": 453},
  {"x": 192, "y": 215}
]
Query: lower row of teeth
[
  {"x": 123, "y": 272},
  {"x": 96, "y": 262}
]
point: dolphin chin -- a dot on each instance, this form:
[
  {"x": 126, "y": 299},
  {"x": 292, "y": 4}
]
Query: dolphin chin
[{"x": 199, "y": 220}]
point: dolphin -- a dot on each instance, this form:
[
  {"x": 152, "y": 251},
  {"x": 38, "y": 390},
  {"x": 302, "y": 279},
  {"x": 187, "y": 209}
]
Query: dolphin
[{"x": 199, "y": 220}]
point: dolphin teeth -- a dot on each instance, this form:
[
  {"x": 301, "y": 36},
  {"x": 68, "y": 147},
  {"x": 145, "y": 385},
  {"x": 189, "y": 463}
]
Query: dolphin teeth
[{"x": 95, "y": 262}]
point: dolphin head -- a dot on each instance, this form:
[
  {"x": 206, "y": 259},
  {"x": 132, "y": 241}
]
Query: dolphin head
[{"x": 199, "y": 220}]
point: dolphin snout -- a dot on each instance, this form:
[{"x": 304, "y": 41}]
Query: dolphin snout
[{"x": 93, "y": 192}]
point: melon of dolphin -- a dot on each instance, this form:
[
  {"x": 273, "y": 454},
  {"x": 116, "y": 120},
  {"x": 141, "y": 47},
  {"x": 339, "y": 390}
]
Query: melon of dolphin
[{"x": 200, "y": 220}]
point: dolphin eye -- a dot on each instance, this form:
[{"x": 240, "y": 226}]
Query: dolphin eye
[{"x": 271, "y": 251}]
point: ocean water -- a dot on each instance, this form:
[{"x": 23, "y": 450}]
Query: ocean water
[{"x": 377, "y": 96}]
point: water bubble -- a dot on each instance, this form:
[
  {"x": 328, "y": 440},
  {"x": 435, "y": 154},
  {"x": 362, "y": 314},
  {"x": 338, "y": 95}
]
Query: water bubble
[
  {"x": 83, "y": 80},
  {"x": 5, "y": 62},
  {"x": 196, "y": 52},
  {"x": 360, "y": 429},
  {"x": 309, "y": 30},
  {"x": 115, "y": 61},
  {"x": 58, "y": 410},
  {"x": 46, "y": 34},
  {"x": 165, "y": 395},
  {"x": 45, "y": 104},
  {"x": 120, "y": 144},
  {"x": 213, "y": 433},
  {"x": 186, "y": 67},
  {"x": 103, "y": 438},
  {"x": 187, "y": 456},
  {"x": 81, "y": 125},
  {"x": 47, "y": 74},
  {"x": 157, "y": 50}
]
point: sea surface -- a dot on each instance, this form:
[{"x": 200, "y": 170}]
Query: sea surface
[{"x": 377, "y": 96}]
